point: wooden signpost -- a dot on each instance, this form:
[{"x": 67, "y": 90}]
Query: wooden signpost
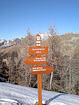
[{"x": 38, "y": 61}]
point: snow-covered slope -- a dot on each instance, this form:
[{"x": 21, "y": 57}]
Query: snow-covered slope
[
  {"x": 28, "y": 96},
  {"x": 9, "y": 43}
]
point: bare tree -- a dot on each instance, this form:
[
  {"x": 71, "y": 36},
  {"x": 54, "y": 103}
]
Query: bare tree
[{"x": 52, "y": 46}]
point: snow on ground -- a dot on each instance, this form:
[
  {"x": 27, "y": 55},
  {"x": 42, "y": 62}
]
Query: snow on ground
[{"x": 11, "y": 94}]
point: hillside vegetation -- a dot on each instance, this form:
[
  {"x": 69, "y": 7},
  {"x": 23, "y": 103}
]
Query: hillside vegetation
[{"x": 63, "y": 56}]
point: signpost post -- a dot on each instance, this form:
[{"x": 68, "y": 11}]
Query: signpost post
[{"x": 38, "y": 60}]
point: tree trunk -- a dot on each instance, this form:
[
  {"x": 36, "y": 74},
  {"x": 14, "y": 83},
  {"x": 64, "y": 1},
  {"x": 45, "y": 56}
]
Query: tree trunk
[{"x": 51, "y": 80}]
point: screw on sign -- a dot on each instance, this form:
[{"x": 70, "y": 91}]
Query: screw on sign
[{"x": 37, "y": 61}]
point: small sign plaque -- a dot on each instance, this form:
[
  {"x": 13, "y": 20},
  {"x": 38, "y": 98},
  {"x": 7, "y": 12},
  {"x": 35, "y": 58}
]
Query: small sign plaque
[
  {"x": 42, "y": 69},
  {"x": 36, "y": 60},
  {"x": 38, "y": 50}
]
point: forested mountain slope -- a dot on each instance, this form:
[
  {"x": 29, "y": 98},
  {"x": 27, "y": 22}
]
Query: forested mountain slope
[{"x": 63, "y": 56}]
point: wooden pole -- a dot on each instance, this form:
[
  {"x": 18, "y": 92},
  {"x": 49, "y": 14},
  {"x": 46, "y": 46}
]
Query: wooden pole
[{"x": 39, "y": 89}]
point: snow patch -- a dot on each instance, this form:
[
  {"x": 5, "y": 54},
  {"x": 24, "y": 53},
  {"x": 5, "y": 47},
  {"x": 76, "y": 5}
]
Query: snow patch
[
  {"x": 28, "y": 96},
  {"x": 8, "y": 102},
  {"x": 56, "y": 103},
  {"x": 43, "y": 102}
]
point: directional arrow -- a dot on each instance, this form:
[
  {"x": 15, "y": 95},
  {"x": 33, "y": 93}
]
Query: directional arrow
[
  {"x": 36, "y": 60},
  {"x": 42, "y": 70}
]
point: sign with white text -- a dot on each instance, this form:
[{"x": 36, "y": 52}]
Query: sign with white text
[
  {"x": 38, "y": 50},
  {"x": 42, "y": 69},
  {"x": 36, "y": 60}
]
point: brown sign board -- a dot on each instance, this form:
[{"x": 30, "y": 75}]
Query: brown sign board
[
  {"x": 38, "y": 50},
  {"x": 36, "y": 60},
  {"x": 42, "y": 70}
]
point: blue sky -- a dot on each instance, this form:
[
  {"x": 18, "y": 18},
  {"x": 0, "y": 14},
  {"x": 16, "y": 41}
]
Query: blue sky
[{"x": 17, "y": 15}]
